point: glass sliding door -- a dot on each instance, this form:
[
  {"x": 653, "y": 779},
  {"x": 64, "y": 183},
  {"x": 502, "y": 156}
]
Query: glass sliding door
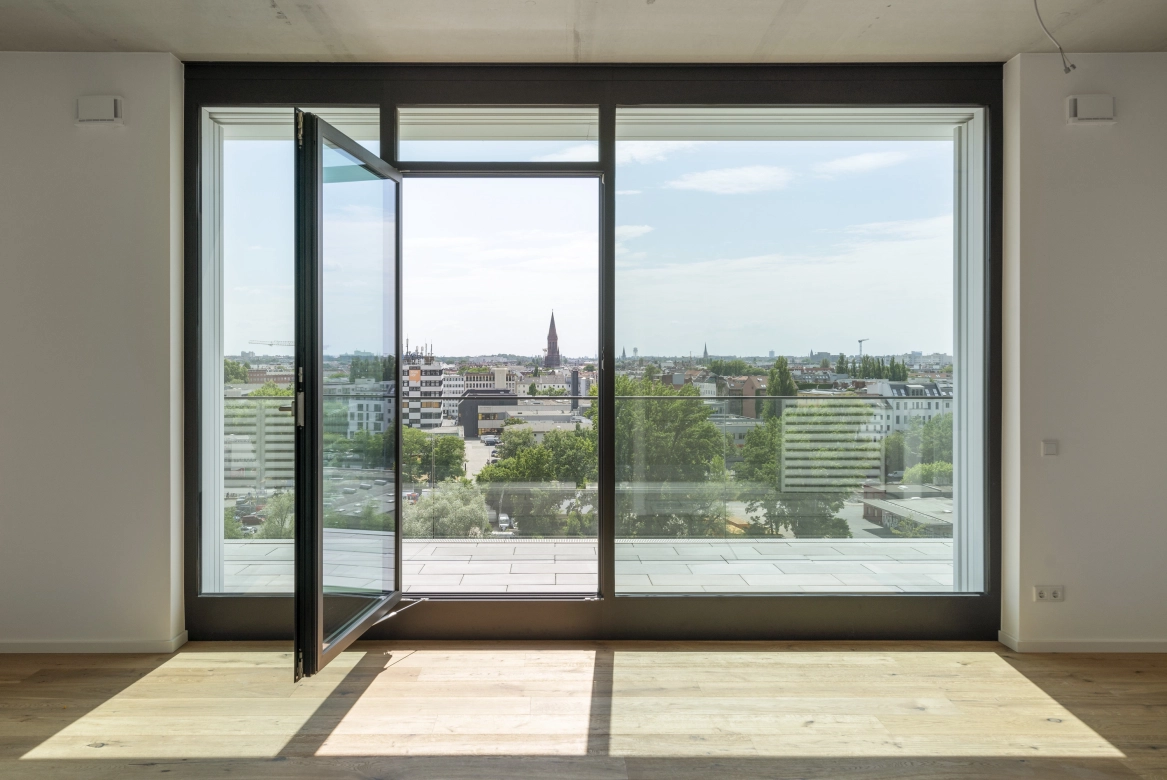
[{"x": 347, "y": 545}]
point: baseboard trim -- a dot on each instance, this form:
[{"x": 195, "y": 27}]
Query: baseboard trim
[
  {"x": 95, "y": 646},
  {"x": 1081, "y": 645}
]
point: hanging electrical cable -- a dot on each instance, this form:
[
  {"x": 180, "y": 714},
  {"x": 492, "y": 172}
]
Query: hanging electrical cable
[{"x": 1067, "y": 66}]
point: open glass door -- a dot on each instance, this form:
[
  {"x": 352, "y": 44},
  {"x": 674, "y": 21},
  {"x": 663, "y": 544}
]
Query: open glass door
[{"x": 347, "y": 548}]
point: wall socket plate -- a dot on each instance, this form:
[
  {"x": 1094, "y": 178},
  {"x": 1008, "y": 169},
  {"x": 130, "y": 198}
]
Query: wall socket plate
[{"x": 1049, "y": 593}]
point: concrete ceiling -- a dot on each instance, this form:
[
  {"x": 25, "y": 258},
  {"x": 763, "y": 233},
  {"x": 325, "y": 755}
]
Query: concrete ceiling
[{"x": 594, "y": 31}]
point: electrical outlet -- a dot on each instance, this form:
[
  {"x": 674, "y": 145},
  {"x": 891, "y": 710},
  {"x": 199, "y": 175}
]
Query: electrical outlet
[{"x": 1049, "y": 593}]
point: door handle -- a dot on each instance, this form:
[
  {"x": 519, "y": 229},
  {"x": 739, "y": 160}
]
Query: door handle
[{"x": 297, "y": 406}]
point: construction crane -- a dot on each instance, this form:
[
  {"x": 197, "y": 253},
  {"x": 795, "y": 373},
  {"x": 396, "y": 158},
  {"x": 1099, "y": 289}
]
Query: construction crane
[
  {"x": 274, "y": 343},
  {"x": 861, "y": 346}
]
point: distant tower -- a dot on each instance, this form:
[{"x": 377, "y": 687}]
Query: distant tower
[
  {"x": 623, "y": 353},
  {"x": 552, "y": 359},
  {"x": 706, "y": 355}
]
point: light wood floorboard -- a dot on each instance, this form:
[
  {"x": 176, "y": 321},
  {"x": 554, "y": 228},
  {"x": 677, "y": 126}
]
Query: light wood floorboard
[{"x": 587, "y": 711}]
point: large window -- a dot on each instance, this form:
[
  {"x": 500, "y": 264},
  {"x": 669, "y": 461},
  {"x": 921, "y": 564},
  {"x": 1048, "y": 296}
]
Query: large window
[
  {"x": 790, "y": 366},
  {"x": 248, "y": 314},
  {"x": 661, "y": 333}
]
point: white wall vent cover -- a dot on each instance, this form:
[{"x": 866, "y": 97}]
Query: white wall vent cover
[
  {"x": 1090, "y": 109},
  {"x": 99, "y": 110}
]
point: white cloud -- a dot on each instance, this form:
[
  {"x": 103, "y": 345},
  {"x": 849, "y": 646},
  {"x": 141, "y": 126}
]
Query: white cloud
[
  {"x": 934, "y": 227},
  {"x": 734, "y": 181},
  {"x": 889, "y": 281},
  {"x": 860, "y": 163},
  {"x": 627, "y": 192},
  {"x": 650, "y": 151},
  {"x": 577, "y": 153},
  {"x": 626, "y": 232}
]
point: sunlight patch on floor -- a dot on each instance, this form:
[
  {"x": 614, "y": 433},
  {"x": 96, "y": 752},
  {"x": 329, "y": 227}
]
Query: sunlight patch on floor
[{"x": 563, "y": 700}]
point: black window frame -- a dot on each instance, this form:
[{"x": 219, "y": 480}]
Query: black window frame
[{"x": 788, "y": 616}]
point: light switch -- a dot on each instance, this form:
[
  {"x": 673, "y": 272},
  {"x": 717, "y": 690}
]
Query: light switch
[{"x": 1049, "y": 447}]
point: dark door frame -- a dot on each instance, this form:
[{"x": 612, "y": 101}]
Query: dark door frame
[{"x": 779, "y": 616}]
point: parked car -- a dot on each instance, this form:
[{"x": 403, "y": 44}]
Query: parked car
[
  {"x": 504, "y": 521},
  {"x": 365, "y": 486},
  {"x": 380, "y": 482},
  {"x": 348, "y": 491}
]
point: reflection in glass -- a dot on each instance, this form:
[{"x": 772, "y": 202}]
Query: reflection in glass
[{"x": 359, "y": 337}]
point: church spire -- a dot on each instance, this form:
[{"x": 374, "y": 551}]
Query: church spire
[
  {"x": 552, "y": 359},
  {"x": 706, "y": 355}
]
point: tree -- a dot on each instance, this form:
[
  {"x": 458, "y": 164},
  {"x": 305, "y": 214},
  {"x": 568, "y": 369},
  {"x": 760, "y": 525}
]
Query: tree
[
  {"x": 670, "y": 462},
  {"x": 439, "y": 458},
  {"x": 573, "y": 456},
  {"x": 825, "y": 364},
  {"x": 270, "y": 388},
  {"x": 543, "y": 487},
  {"x": 779, "y": 383},
  {"x": 735, "y": 367},
  {"x": 936, "y": 473},
  {"x": 515, "y": 439},
  {"x": 841, "y": 366},
  {"x": 235, "y": 372},
  {"x": 922, "y": 444},
  {"x": 279, "y": 519},
  {"x": 378, "y": 369},
  {"x": 651, "y": 372},
  {"x": 806, "y": 507},
  {"x": 456, "y": 509}
]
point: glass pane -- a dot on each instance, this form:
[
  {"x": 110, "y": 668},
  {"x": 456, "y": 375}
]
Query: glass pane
[
  {"x": 784, "y": 413},
  {"x": 249, "y": 327},
  {"x": 359, "y": 332},
  {"x": 468, "y": 134},
  {"x": 499, "y": 437}
]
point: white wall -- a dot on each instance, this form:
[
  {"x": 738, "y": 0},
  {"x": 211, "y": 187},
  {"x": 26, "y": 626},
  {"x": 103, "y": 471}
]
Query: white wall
[
  {"x": 91, "y": 338},
  {"x": 1085, "y": 318}
]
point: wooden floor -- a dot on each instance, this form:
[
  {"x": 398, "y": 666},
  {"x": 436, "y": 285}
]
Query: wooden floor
[{"x": 671, "y": 711}]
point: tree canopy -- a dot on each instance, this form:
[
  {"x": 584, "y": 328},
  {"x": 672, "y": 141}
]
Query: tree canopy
[
  {"x": 270, "y": 388},
  {"x": 827, "y": 454},
  {"x": 735, "y": 367},
  {"x": 234, "y": 372}
]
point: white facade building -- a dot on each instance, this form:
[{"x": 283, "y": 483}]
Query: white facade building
[
  {"x": 367, "y": 406},
  {"x": 453, "y": 385},
  {"x": 908, "y": 401}
]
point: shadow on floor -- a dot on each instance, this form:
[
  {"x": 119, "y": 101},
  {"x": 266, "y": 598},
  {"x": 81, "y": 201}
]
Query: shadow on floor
[{"x": 1122, "y": 698}]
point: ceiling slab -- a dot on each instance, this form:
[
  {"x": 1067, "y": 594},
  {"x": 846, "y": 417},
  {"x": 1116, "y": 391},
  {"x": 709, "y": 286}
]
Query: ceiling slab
[{"x": 587, "y": 31}]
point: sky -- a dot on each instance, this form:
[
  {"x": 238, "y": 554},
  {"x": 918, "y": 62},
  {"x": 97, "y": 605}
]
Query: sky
[{"x": 747, "y": 247}]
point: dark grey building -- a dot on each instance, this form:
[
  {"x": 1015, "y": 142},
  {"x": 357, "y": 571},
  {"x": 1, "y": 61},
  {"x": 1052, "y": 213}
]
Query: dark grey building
[{"x": 468, "y": 407}]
